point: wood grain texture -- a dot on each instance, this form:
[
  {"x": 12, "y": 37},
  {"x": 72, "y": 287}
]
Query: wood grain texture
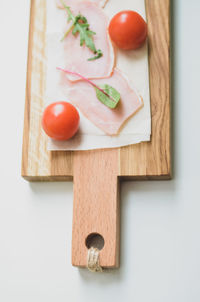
[
  {"x": 38, "y": 164},
  {"x": 151, "y": 160},
  {"x": 96, "y": 173},
  {"x": 96, "y": 205}
]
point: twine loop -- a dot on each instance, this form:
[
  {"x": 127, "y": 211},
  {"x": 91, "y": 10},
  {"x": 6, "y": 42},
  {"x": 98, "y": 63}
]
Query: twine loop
[{"x": 93, "y": 260}]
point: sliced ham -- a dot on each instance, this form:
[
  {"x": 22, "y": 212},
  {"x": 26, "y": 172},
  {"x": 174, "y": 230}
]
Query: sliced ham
[
  {"x": 101, "y": 3},
  {"x": 83, "y": 96},
  {"x": 75, "y": 57}
]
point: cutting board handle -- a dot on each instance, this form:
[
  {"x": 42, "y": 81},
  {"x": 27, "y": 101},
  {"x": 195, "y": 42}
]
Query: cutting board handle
[{"x": 96, "y": 207}]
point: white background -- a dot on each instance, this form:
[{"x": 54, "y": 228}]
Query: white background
[{"x": 160, "y": 227}]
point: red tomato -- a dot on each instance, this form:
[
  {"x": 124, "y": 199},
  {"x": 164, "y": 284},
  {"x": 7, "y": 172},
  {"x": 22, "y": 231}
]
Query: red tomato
[
  {"x": 128, "y": 30},
  {"x": 60, "y": 120}
]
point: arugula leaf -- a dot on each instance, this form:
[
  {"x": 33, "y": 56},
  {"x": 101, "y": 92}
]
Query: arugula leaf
[
  {"x": 109, "y": 96},
  {"x": 80, "y": 25},
  {"x": 99, "y": 54},
  {"x": 70, "y": 15}
]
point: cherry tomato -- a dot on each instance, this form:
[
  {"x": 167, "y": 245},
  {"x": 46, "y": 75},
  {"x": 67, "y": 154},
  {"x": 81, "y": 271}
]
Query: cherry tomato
[
  {"x": 60, "y": 120},
  {"x": 128, "y": 30}
]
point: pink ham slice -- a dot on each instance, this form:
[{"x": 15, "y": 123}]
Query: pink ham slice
[
  {"x": 102, "y": 3},
  {"x": 75, "y": 57},
  {"x": 83, "y": 96}
]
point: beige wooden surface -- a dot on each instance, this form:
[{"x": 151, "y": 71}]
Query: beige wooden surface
[
  {"x": 142, "y": 161},
  {"x": 96, "y": 173},
  {"x": 96, "y": 205}
]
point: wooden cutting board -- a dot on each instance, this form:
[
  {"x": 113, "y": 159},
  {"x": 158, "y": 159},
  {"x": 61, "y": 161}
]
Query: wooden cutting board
[{"x": 96, "y": 174}]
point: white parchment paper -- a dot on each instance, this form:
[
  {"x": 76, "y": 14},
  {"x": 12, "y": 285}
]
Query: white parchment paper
[{"x": 133, "y": 63}]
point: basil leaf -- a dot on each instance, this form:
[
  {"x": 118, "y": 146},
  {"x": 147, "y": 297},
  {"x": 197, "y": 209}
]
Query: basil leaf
[{"x": 108, "y": 95}]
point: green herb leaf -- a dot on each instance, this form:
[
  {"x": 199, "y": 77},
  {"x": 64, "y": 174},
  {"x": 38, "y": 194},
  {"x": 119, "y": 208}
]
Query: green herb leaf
[
  {"x": 106, "y": 94},
  {"x": 70, "y": 15},
  {"x": 99, "y": 54},
  {"x": 110, "y": 97},
  {"x": 80, "y": 25}
]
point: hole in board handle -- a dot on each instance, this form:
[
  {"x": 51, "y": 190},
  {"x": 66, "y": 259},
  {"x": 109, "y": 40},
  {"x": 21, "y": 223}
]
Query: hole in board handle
[{"x": 94, "y": 240}]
